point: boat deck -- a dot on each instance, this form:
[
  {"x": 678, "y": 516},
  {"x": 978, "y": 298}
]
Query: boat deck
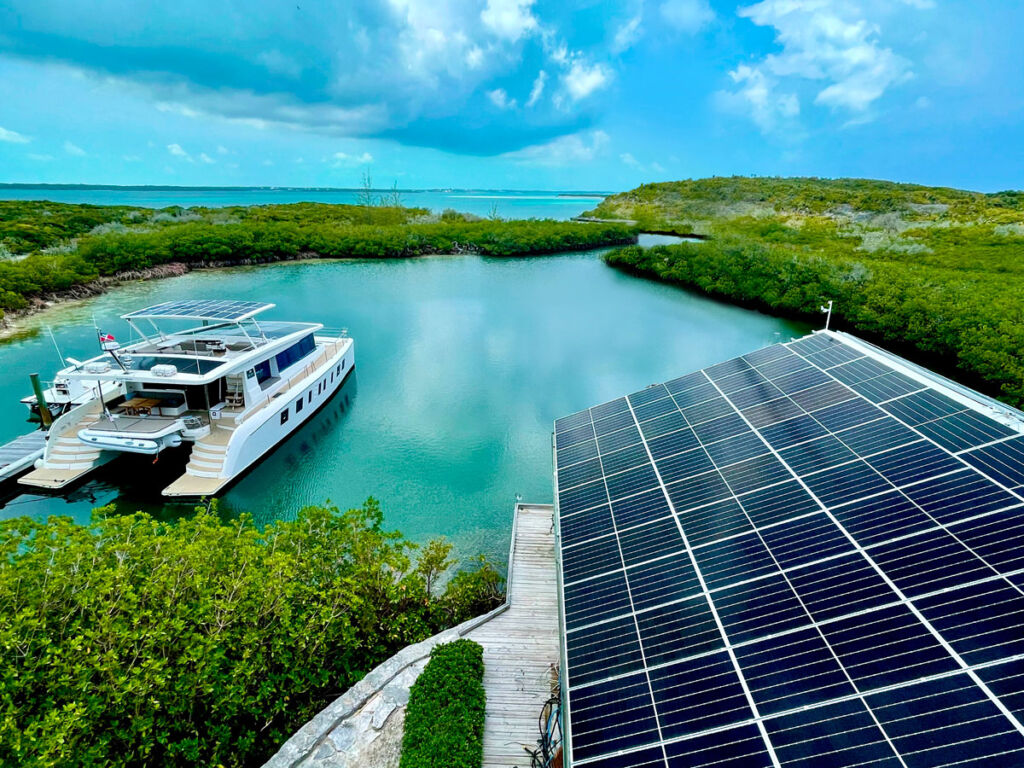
[
  {"x": 142, "y": 425},
  {"x": 521, "y": 644},
  {"x": 21, "y": 453}
]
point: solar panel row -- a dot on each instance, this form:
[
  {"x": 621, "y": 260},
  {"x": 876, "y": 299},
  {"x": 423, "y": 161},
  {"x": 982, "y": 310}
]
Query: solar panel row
[
  {"x": 211, "y": 309},
  {"x": 802, "y": 556}
]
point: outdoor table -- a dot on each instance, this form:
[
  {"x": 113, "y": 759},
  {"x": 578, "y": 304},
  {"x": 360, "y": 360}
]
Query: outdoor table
[{"x": 140, "y": 405}]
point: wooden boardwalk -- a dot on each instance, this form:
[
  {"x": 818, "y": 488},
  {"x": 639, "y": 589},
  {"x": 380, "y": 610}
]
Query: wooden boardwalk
[
  {"x": 521, "y": 644},
  {"x": 19, "y": 454}
]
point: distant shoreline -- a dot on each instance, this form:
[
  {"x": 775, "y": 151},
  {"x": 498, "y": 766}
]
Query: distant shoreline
[{"x": 275, "y": 188}]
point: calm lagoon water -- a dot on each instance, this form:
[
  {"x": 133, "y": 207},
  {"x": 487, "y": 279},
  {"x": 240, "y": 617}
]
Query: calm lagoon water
[
  {"x": 462, "y": 364},
  {"x": 514, "y": 204}
]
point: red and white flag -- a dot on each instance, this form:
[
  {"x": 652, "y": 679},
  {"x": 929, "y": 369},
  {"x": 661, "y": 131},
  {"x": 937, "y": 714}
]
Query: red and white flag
[{"x": 107, "y": 342}]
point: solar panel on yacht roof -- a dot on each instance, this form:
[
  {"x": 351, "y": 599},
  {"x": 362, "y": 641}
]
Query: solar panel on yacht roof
[
  {"x": 202, "y": 309},
  {"x": 804, "y": 556}
]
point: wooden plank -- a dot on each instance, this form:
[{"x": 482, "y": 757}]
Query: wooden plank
[{"x": 521, "y": 644}]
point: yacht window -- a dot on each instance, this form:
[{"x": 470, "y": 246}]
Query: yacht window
[
  {"x": 342, "y": 365},
  {"x": 263, "y": 371},
  {"x": 311, "y": 395},
  {"x": 298, "y": 405},
  {"x": 295, "y": 352},
  {"x": 339, "y": 369},
  {"x": 284, "y": 416}
]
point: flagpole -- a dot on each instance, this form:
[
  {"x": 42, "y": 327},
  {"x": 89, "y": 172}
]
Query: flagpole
[{"x": 828, "y": 314}]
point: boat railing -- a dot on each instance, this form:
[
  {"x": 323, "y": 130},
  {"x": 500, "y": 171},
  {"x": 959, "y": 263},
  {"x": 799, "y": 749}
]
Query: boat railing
[
  {"x": 307, "y": 369},
  {"x": 72, "y": 419}
]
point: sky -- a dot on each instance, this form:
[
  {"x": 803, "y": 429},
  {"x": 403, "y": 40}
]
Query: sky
[{"x": 510, "y": 94}]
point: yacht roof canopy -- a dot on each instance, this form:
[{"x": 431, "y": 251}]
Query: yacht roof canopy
[{"x": 201, "y": 309}]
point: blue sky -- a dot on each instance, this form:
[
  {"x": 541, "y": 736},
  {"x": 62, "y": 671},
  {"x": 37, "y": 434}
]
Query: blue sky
[{"x": 520, "y": 94}]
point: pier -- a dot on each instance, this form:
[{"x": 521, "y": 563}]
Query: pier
[
  {"x": 20, "y": 454},
  {"x": 521, "y": 644}
]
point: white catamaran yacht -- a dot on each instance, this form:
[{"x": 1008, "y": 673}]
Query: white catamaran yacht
[{"x": 233, "y": 386}]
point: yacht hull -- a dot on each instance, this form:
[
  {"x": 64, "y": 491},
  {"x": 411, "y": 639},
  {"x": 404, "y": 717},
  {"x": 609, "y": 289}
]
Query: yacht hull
[{"x": 214, "y": 466}]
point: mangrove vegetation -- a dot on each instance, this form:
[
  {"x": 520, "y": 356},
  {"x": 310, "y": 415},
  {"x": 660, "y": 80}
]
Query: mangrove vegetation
[
  {"x": 134, "y": 642},
  {"x": 52, "y": 247},
  {"x": 934, "y": 273}
]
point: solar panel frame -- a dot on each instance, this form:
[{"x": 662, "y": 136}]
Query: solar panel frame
[
  {"x": 224, "y": 310},
  {"x": 719, "y": 521}
]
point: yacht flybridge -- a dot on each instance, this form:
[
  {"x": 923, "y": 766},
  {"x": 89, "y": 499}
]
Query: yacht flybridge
[{"x": 202, "y": 372}]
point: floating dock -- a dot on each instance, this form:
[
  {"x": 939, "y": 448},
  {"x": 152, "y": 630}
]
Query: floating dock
[{"x": 21, "y": 453}]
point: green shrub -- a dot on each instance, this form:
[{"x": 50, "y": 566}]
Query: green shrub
[
  {"x": 444, "y": 722},
  {"x": 934, "y": 273},
  {"x": 108, "y": 240},
  {"x": 132, "y": 642}
]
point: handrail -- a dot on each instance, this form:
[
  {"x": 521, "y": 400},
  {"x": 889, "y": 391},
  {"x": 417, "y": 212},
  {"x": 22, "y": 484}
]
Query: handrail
[
  {"x": 472, "y": 624},
  {"x": 306, "y": 371}
]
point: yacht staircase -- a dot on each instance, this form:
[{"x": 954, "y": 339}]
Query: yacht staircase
[
  {"x": 66, "y": 458},
  {"x": 204, "y": 471},
  {"x": 234, "y": 389}
]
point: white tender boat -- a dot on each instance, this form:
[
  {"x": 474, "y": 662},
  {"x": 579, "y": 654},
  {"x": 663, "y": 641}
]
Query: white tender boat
[
  {"x": 232, "y": 386},
  {"x": 64, "y": 394}
]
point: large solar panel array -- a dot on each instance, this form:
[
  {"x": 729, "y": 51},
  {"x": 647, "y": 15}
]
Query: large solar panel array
[
  {"x": 202, "y": 309},
  {"x": 807, "y": 556}
]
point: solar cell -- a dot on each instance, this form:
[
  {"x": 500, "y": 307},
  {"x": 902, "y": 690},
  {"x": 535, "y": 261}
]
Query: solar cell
[
  {"x": 788, "y": 559},
  {"x": 1003, "y": 462}
]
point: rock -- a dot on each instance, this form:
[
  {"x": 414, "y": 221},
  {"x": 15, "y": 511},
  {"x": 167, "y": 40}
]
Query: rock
[
  {"x": 342, "y": 737},
  {"x": 325, "y": 751},
  {"x": 382, "y": 713}
]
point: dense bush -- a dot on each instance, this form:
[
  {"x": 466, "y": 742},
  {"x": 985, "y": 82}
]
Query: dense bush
[
  {"x": 444, "y": 722},
  {"x": 934, "y": 273},
  {"x": 112, "y": 240},
  {"x": 131, "y": 642}
]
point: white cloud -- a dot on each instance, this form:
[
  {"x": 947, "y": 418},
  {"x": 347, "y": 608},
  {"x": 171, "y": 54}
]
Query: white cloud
[
  {"x": 628, "y": 159},
  {"x": 757, "y": 96},
  {"x": 267, "y": 162},
  {"x": 627, "y": 35},
  {"x": 828, "y": 43},
  {"x": 583, "y": 79},
  {"x": 131, "y": 158},
  {"x": 178, "y": 151},
  {"x": 509, "y": 19},
  {"x": 177, "y": 109},
  {"x": 13, "y": 137},
  {"x": 500, "y": 99},
  {"x": 341, "y": 158},
  {"x": 474, "y": 57},
  {"x": 40, "y": 158},
  {"x": 688, "y": 16},
  {"x": 222, "y": 150},
  {"x": 565, "y": 150},
  {"x": 73, "y": 149},
  {"x": 538, "y": 88},
  {"x": 203, "y": 157}
]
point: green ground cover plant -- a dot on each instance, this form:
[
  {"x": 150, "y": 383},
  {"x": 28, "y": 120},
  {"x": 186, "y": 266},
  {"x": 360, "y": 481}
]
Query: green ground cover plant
[
  {"x": 52, "y": 247},
  {"x": 936, "y": 274},
  {"x": 444, "y": 721},
  {"x": 134, "y": 642}
]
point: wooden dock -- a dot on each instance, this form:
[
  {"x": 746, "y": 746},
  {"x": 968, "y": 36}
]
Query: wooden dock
[
  {"x": 521, "y": 644},
  {"x": 21, "y": 453}
]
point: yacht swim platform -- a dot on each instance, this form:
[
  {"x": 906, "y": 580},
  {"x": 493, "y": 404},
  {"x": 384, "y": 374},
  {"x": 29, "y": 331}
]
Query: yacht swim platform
[{"x": 232, "y": 386}]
